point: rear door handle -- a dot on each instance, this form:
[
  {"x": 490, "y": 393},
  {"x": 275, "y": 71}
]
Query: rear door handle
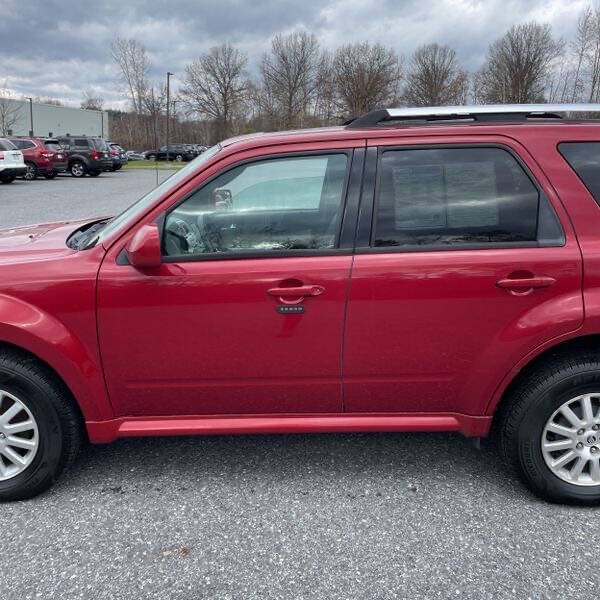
[
  {"x": 526, "y": 284},
  {"x": 297, "y": 292}
]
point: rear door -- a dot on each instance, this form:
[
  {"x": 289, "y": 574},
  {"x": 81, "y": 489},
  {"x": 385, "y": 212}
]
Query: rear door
[{"x": 466, "y": 262}]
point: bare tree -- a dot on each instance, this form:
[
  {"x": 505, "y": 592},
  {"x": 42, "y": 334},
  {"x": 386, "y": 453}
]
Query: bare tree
[
  {"x": 366, "y": 76},
  {"x": 134, "y": 66},
  {"x": 517, "y": 64},
  {"x": 214, "y": 86},
  {"x": 290, "y": 75},
  {"x": 9, "y": 110},
  {"x": 91, "y": 101},
  {"x": 435, "y": 78}
]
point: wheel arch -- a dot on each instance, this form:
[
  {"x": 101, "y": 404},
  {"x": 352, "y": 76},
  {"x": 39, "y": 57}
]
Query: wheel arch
[
  {"x": 26, "y": 328},
  {"x": 585, "y": 344}
]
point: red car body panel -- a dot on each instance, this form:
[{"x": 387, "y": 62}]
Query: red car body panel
[{"x": 398, "y": 341}]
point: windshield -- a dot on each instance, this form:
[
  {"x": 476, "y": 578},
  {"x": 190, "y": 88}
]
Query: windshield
[{"x": 131, "y": 213}]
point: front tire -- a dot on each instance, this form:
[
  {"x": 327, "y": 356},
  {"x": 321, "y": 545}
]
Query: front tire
[
  {"x": 77, "y": 169},
  {"x": 40, "y": 428},
  {"x": 31, "y": 172},
  {"x": 549, "y": 430}
]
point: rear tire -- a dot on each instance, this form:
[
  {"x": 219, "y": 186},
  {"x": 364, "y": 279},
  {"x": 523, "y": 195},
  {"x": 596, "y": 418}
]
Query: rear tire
[
  {"x": 534, "y": 409},
  {"x": 59, "y": 434}
]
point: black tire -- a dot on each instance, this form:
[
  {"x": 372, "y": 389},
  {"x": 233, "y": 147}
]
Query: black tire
[
  {"x": 50, "y": 175},
  {"x": 60, "y": 428},
  {"x": 77, "y": 168},
  {"x": 178, "y": 158},
  {"x": 94, "y": 173},
  {"x": 8, "y": 179},
  {"x": 31, "y": 172},
  {"x": 524, "y": 414}
]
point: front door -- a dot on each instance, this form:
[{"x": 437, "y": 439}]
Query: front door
[
  {"x": 466, "y": 269},
  {"x": 245, "y": 315}
]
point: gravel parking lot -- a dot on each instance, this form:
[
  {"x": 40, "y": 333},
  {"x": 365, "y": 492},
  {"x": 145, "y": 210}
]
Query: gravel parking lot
[{"x": 280, "y": 517}]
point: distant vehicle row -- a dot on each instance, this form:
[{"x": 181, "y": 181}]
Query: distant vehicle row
[
  {"x": 30, "y": 157},
  {"x": 176, "y": 152}
]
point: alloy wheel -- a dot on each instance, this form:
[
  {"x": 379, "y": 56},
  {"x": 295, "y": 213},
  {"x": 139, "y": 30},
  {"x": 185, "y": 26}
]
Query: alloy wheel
[
  {"x": 30, "y": 173},
  {"x": 571, "y": 441},
  {"x": 19, "y": 437},
  {"x": 77, "y": 169}
]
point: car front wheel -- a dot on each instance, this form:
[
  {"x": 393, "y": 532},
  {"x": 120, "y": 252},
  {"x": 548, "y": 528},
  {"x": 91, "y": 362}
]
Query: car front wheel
[
  {"x": 31, "y": 172},
  {"x": 40, "y": 430},
  {"x": 77, "y": 169},
  {"x": 550, "y": 430}
]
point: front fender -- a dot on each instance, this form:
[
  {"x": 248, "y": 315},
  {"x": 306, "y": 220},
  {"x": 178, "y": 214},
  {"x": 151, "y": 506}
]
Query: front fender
[{"x": 30, "y": 328}]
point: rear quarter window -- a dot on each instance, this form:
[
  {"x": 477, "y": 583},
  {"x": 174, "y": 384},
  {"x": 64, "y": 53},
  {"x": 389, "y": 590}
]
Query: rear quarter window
[{"x": 584, "y": 159}]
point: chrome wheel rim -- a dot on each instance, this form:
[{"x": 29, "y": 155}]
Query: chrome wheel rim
[
  {"x": 19, "y": 437},
  {"x": 30, "y": 173},
  {"x": 571, "y": 441}
]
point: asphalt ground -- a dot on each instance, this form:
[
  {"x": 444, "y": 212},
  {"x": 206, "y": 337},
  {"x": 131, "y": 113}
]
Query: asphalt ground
[{"x": 376, "y": 516}]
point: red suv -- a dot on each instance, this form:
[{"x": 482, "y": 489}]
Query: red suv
[
  {"x": 42, "y": 157},
  {"x": 389, "y": 275}
]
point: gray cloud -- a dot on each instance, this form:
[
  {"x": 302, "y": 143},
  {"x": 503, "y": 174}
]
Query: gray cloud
[{"x": 53, "y": 48}]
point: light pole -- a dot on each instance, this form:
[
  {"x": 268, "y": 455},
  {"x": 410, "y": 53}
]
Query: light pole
[
  {"x": 30, "y": 114},
  {"x": 169, "y": 75}
]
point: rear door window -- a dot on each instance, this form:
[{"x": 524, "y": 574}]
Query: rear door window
[
  {"x": 584, "y": 159},
  {"x": 453, "y": 197}
]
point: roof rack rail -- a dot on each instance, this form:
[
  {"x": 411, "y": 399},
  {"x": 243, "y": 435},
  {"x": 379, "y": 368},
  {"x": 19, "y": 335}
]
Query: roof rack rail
[{"x": 482, "y": 112}]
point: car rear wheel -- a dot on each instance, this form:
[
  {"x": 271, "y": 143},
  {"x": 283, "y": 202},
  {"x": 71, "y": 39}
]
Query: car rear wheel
[
  {"x": 179, "y": 158},
  {"x": 40, "y": 429},
  {"x": 77, "y": 169},
  {"x": 549, "y": 430},
  {"x": 31, "y": 172}
]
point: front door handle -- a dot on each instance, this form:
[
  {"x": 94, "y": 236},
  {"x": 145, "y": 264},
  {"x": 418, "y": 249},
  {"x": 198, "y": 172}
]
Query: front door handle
[
  {"x": 297, "y": 292},
  {"x": 526, "y": 284}
]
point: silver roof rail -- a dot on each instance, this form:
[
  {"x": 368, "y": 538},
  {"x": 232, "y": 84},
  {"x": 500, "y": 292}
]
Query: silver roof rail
[{"x": 478, "y": 112}]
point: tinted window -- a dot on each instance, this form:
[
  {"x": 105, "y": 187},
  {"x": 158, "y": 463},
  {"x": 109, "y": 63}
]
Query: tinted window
[
  {"x": 81, "y": 143},
  {"x": 437, "y": 197},
  {"x": 6, "y": 145},
  {"x": 53, "y": 146},
  {"x": 584, "y": 158},
  {"x": 99, "y": 144},
  {"x": 289, "y": 203}
]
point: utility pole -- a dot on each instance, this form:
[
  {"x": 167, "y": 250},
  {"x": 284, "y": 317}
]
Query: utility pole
[
  {"x": 169, "y": 75},
  {"x": 30, "y": 114}
]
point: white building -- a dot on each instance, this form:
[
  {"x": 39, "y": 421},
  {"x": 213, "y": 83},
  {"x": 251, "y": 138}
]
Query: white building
[{"x": 50, "y": 120}]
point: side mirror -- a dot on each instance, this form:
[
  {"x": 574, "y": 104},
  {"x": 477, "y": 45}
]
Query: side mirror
[{"x": 143, "y": 249}]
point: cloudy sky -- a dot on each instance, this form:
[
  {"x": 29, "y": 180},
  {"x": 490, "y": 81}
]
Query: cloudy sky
[{"x": 58, "y": 48}]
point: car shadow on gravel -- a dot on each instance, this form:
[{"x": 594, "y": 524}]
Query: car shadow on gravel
[{"x": 414, "y": 463}]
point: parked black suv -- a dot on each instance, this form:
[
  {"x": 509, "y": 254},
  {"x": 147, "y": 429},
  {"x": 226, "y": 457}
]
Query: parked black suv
[
  {"x": 178, "y": 152},
  {"x": 86, "y": 155}
]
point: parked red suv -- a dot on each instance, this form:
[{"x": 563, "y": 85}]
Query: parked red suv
[
  {"x": 390, "y": 275},
  {"x": 42, "y": 156}
]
